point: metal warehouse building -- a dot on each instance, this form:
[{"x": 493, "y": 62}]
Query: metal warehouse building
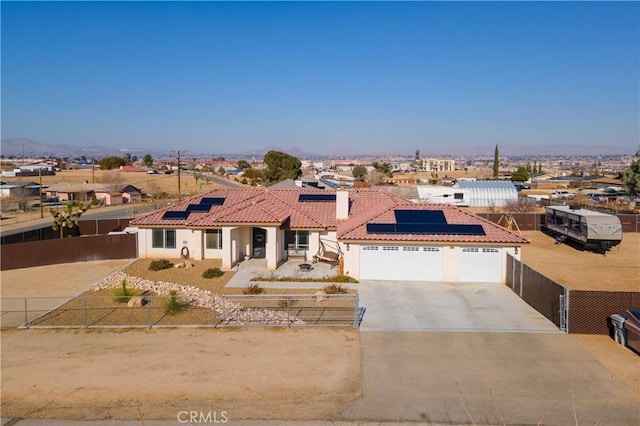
[{"x": 485, "y": 193}]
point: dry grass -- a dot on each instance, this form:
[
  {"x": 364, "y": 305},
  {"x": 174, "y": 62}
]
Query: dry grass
[
  {"x": 186, "y": 276},
  {"x": 148, "y": 183},
  {"x": 101, "y": 310}
]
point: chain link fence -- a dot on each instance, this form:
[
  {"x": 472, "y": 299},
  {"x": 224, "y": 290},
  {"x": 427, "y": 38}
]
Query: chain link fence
[{"x": 147, "y": 311}]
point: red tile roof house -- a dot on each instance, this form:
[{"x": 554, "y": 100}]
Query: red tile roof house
[{"x": 381, "y": 237}]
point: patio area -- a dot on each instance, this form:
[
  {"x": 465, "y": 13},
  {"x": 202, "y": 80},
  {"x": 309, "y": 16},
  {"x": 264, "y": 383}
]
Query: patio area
[{"x": 251, "y": 268}]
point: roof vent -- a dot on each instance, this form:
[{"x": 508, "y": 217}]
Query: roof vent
[{"x": 574, "y": 207}]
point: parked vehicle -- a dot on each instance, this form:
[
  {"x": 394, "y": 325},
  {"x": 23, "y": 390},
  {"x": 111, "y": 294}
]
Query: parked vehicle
[
  {"x": 561, "y": 195},
  {"x": 595, "y": 230},
  {"x": 626, "y": 328}
]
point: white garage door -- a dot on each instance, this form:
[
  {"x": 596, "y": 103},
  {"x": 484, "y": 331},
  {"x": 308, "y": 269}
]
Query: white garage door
[
  {"x": 481, "y": 265},
  {"x": 401, "y": 263}
]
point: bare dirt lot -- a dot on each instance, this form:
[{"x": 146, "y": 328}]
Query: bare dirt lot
[
  {"x": 255, "y": 373},
  {"x": 619, "y": 270}
]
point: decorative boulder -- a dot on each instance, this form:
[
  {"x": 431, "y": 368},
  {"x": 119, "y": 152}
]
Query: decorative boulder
[
  {"x": 137, "y": 302},
  {"x": 320, "y": 296}
]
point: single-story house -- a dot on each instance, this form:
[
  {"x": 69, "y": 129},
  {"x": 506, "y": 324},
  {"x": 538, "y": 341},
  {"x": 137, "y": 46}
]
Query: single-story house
[
  {"x": 87, "y": 192},
  {"x": 376, "y": 235},
  {"x": 119, "y": 194},
  {"x": 20, "y": 189}
]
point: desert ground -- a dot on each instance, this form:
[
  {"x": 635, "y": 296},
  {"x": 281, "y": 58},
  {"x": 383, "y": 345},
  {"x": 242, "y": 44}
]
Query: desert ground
[
  {"x": 580, "y": 269},
  {"x": 154, "y": 374}
]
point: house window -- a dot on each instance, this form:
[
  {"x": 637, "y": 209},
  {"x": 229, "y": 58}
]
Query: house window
[
  {"x": 164, "y": 238},
  {"x": 213, "y": 238},
  {"x": 458, "y": 196},
  {"x": 296, "y": 240}
]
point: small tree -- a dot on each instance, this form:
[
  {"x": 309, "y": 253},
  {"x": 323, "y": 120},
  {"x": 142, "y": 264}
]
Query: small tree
[
  {"x": 68, "y": 217},
  {"x": 384, "y": 168},
  {"x": 496, "y": 163},
  {"x": 243, "y": 164},
  {"x": 359, "y": 172},
  {"x": 631, "y": 176},
  {"x": 374, "y": 177},
  {"x": 147, "y": 160},
  {"x": 281, "y": 166},
  {"x": 520, "y": 175}
]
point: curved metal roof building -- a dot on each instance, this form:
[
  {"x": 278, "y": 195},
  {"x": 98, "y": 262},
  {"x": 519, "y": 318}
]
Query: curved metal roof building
[{"x": 485, "y": 193}]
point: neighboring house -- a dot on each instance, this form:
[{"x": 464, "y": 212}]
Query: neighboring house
[
  {"x": 19, "y": 189},
  {"x": 87, "y": 192},
  {"x": 119, "y": 194},
  {"x": 73, "y": 192},
  {"x": 379, "y": 236},
  {"x": 488, "y": 193}
]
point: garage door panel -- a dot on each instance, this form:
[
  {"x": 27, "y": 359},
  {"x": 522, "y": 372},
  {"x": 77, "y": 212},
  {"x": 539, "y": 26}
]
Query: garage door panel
[
  {"x": 481, "y": 264},
  {"x": 401, "y": 263}
]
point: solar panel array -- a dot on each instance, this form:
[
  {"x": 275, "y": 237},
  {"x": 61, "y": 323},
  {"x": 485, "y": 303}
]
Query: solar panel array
[
  {"x": 204, "y": 206},
  {"x": 424, "y": 222},
  {"x": 316, "y": 198},
  {"x": 424, "y": 229}
]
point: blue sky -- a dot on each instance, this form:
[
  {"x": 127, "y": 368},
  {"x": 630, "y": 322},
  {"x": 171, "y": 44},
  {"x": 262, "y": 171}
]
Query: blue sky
[{"x": 333, "y": 77}]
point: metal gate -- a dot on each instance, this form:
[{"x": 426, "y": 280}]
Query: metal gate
[{"x": 564, "y": 311}]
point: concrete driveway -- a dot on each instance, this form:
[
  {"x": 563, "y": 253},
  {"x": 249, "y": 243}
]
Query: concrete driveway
[
  {"x": 436, "y": 306},
  {"x": 487, "y": 378}
]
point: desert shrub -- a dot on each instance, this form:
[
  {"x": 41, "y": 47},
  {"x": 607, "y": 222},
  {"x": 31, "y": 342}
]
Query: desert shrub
[
  {"x": 160, "y": 264},
  {"x": 123, "y": 294},
  {"x": 212, "y": 273},
  {"x": 335, "y": 289},
  {"x": 173, "y": 304},
  {"x": 343, "y": 279},
  {"x": 253, "y": 289}
]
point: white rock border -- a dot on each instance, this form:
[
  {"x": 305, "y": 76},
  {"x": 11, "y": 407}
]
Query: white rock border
[{"x": 234, "y": 313}]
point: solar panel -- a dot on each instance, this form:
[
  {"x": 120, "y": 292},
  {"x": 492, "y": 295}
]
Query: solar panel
[
  {"x": 424, "y": 229},
  {"x": 175, "y": 214},
  {"x": 381, "y": 228},
  {"x": 420, "y": 216},
  {"x": 199, "y": 208},
  {"x": 212, "y": 201},
  {"x": 316, "y": 198}
]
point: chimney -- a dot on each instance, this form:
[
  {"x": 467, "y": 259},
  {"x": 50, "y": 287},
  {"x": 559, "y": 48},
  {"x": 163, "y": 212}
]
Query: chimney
[{"x": 342, "y": 204}]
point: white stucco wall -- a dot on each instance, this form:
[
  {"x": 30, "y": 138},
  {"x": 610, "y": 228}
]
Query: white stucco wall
[{"x": 451, "y": 260}]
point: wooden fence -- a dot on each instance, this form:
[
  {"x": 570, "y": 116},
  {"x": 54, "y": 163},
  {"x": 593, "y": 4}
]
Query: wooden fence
[{"x": 66, "y": 250}]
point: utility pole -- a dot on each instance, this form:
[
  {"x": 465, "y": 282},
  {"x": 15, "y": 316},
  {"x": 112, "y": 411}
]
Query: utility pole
[
  {"x": 179, "y": 194},
  {"x": 40, "y": 192},
  {"x": 93, "y": 170}
]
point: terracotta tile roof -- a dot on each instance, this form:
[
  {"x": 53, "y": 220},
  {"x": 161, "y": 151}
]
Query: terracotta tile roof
[
  {"x": 282, "y": 207},
  {"x": 356, "y": 230}
]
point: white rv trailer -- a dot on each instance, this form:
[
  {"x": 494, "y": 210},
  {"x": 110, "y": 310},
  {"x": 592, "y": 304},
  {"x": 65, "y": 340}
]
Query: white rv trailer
[{"x": 595, "y": 230}]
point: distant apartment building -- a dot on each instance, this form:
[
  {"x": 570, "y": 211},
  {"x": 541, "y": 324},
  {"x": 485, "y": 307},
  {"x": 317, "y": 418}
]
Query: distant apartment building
[{"x": 437, "y": 165}]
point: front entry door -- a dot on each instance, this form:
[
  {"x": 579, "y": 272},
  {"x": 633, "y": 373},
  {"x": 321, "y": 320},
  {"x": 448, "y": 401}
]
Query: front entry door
[{"x": 259, "y": 243}]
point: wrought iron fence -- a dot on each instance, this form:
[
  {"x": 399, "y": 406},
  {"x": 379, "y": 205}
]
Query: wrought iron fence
[{"x": 145, "y": 311}]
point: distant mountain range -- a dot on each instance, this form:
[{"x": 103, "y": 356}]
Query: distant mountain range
[{"x": 19, "y": 147}]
